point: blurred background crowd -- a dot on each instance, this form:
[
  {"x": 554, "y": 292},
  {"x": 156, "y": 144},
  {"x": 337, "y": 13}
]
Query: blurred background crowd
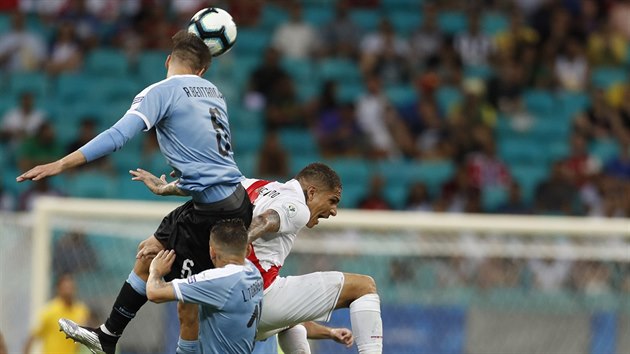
[{"x": 495, "y": 106}]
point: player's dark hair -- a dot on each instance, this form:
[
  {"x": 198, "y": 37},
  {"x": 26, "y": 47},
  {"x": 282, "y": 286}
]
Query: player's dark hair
[
  {"x": 231, "y": 235},
  {"x": 321, "y": 174},
  {"x": 191, "y": 50}
]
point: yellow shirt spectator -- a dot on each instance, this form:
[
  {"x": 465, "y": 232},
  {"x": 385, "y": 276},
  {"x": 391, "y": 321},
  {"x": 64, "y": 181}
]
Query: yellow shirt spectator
[{"x": 64, "y": 305}]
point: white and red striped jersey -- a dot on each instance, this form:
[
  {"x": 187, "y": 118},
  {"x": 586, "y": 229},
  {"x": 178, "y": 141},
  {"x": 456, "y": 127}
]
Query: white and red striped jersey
[{"x": 287, "y": 199}]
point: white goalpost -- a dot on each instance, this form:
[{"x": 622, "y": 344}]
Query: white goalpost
[{"x": 353, "y": 239}]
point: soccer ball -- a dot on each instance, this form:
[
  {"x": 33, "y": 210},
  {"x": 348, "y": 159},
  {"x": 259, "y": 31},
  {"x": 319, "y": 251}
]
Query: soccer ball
[{"x": 216, "y": 28}]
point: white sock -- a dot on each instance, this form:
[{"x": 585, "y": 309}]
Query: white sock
[
  {"x": 106, "y": 331},
  {"x": 293, "y": 340},
  {"x": 367, "y": 326}
]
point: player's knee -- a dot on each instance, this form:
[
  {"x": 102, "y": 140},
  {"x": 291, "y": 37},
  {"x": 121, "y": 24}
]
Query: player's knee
[{"x": 368, "y": 285}]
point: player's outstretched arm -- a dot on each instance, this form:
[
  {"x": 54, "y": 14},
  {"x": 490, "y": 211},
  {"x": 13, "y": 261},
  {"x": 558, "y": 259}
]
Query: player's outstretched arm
[
  {"x": 54, "y": 168},
  {"x": 158, "y": 186},
  {"x": 157, "y": 289},
  {"x": 267, "y": 222},
  {"x": 315, "y": 330}
]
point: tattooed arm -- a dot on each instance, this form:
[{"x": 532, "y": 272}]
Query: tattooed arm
[{"x": 267, "y": 222}]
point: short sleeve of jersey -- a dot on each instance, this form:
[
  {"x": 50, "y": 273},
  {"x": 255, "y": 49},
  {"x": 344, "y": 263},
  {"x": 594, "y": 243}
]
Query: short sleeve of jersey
[
  {"x": 293, "y": 214},
  {"x": 203, "y": 288},
  {"x": 151, "y": 104}
]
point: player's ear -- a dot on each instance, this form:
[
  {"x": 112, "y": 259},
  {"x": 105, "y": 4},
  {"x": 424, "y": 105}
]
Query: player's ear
[
  {"x": 310, "y": 192},
  {"x": 202, "y": 71},
  {"x": 213, "y": 254},
  {"x": 167, "y": 62},
  {"x": 249, "y": 250}
]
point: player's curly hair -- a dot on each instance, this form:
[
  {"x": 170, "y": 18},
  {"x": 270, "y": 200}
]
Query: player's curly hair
[
  {"x": 191, "y": 50},
  {"x": 231, "y": 235},
  {"x": 321, "y": 174}
]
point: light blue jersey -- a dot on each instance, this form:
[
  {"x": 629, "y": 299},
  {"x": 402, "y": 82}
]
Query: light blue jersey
[
  {"x": 190, "y": 116},
  {"x": 191, "y": 120},
  {"x": 231, "y": 303}
]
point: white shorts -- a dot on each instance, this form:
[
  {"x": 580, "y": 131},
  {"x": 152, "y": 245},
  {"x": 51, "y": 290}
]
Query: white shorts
[{"x": 292, "y": 300}]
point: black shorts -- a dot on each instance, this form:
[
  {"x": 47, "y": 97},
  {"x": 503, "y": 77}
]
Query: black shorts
[{"x": 187, "y": 231}]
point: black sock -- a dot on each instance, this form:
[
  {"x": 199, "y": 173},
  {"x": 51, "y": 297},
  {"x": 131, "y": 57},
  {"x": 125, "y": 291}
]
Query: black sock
[{"x": 124, "y": 310}]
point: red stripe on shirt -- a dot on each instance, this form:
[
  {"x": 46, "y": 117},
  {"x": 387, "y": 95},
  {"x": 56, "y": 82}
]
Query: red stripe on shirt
[
  {"x": 253, "y": 190},
  {"x": 268, "y": 275}
]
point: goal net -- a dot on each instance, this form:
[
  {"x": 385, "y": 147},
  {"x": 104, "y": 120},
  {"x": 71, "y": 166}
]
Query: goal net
[{"x": 449, "y": 283}]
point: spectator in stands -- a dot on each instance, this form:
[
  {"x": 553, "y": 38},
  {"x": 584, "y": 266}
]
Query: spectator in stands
[
  {"x": 41, "y": 188},
  {"x": 393, "y": 68},
  {"x": 597, "y": 122},
  {"x": 245, "y": 12},
  {"x": 375, "y": 198},
  {"x": 619, "y": 14},
  {"x": 456, "y": 192},
  {"x": 550, "y": 274},
  {"x": 341, "y": 35},
  {"x": 619, "y": 166},
  {"x": 20, "y": 49},
  {"x": 88, "y": 130},
  {"x": 418, "y": 198},
  {"x": 39, "y": 148},
  {"x": 264, "y": 81},
  {"x": 376, "y": 117},
  {"x": 579, "y": 164},
  {"x": 283, "y": 109},
  {"x": 427, "y": 40},
  {"x": 571, "y": 67},
  {"x": 296, "y": 38},
  {"x": 485, "y": 168},
  {"x": 337, "y": 131},
  {"x": 607, "y": 47},
  {"x": 474, "y": 109},
  {"x": 373, "y": 45},
  {"x": 21, "y": 122},
  {"x": 514, "y": 203},
  {"x": 73, "y": 254},
  {"x": 64, "y": 305},
  {"x": 273, "y": 159},
  {"x": 474, "y": 47},
  {"x": 156, "y": 30},
  {"x": 517, "y": 35},
  {"x": 428, "y": 130},
  {"x": 506, "y": 88},
  {"x": 87, "y": 24},
  {"x": 556, "y": 195},
  {"x": 65, "y": 52}
]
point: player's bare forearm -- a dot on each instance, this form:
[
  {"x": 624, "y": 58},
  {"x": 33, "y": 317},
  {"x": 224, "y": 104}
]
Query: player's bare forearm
[
  {"x": 267, "y": 222},
  {"x": 315, "y": 330},
  {"x": 54, "y": 168},
  {"x": 157, "y": 289},
  {"x": 158, "y": 186}
]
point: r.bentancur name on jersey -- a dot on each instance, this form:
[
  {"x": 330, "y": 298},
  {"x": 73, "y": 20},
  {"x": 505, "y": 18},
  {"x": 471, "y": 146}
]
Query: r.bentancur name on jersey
[
  {"x": 250, "y": 292},
  {"x": 202, "y": 91}
]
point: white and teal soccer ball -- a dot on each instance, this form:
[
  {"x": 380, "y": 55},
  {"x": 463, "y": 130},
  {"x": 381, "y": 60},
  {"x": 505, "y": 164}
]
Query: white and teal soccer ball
[{"x": 216, "y": 27}]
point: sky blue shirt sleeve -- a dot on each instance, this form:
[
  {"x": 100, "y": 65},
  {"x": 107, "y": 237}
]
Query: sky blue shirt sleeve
[
  {"x": 152, "y": 104},
  {"x": 205, "y": 288},
  {"x": 113, "y": 138}
]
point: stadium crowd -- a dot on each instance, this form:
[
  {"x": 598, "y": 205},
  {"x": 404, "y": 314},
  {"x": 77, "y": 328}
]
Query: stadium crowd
[{"x": 519, "y": 107}]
